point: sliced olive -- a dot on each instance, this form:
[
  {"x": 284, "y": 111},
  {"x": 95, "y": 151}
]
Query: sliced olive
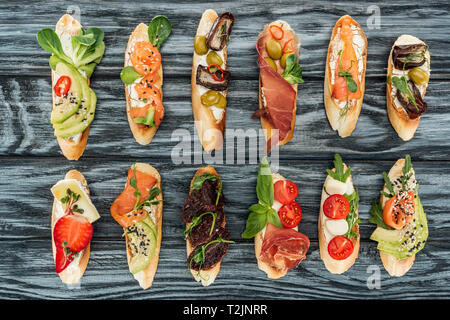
[
  {"x": 274, "y": 50},
  {"x": 271, "y": 63},
  {"x": 210, "y": 98},
  {"x": 214, "y": 58},
  {"x": 200, "y": 45},
  {"x": 222, "y": 102},
  {"x": 419, "y": 76}
]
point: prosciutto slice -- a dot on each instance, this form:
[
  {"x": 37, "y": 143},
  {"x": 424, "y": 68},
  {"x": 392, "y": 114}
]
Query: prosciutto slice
[
  {"x": 278, "y": 94},
  {"x": 282, "y": 248}
]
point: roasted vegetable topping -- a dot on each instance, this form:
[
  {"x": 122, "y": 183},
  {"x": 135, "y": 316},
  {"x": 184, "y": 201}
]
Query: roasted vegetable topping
[
  {"x": 220, "y": 31},
  {"x": 406, "y": 57},
  {"x": 217, "y": 79},
  {"x": 413, "y": 104}
]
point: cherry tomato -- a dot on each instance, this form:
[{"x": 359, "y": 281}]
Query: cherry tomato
[
  {"x": 336, "y": 207},
  {"x": 290, "y": 215},
  {"x": 399, "y": 209},
  {"x": 340, "y": 248},
  {"x": 285, "y": 191},
  {"x": 62, "y": 86}
]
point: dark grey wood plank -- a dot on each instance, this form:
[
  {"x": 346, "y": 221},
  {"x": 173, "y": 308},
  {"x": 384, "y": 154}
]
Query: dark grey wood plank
[
  {"x": 26, "y": 198},
  {"x": 313, "y": 21},
  {"x": 107, "y": 275},
  {"x": 25, "y": 127}
]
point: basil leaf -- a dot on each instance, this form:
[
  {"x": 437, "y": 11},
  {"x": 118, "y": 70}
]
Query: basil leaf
[
  {"x": 264, "y": 183},
  {"x": 159, "y": 30},
  {"x": 49, "y": 41},
  {"x": 273, "y": 218},
  {"x": 255, "y": 223},
  {"x": 258, "y": 208},
  {"x": 128, "y": 75}
]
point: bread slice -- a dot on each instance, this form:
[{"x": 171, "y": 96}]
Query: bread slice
[
  {"x": 265, "y": 124},
  {"x": 344, "y": 125},
  {"x": 395, "y": 267},
  {"x": 71, "y": 149},
  {"x": 145, "y": 277},
  {"x": 336, "y": 266},
  {"x": 403, "y": 125},
  {"x": 142, "y": 134},
  {"x": 209, "y": 275},
  {"x": 210, "y": 130},
  {"x": 74, "y": 274}
]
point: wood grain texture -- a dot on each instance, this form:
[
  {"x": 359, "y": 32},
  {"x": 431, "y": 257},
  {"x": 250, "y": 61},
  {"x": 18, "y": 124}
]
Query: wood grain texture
[{"x": 31, "y": 162}]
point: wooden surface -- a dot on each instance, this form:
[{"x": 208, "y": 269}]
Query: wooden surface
[{"x": 31, "y": 162}]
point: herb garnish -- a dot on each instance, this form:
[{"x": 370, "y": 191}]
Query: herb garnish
[
  {"x": 352, "y": 217},
  {"x": 199, "y": 254},
  {"x": 350, "y": 83},
  {"x": 377, "y": 215},
  {"x": 159, "y": 30},
  {"x": 262, "y": 212},
  {"x": 293, "y": 71},
  {"x": 388, "y": 185},
  {"x": 199, "y": 180},
  {"x": 406, "y": 172},
  {"x": 196, "y": 221},
  {"x": 147, "y": 201},
  {"x": 70, "y": 199},
  {"x": 339, "y": 173}
]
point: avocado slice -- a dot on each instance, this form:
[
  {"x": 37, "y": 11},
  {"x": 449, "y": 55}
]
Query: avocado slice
[
  {"x": 142, "y": 238},
  {"x": 406, "y": 242},
  {"x": 78, "y": 122},
  {"x": 69, "y": 104}
]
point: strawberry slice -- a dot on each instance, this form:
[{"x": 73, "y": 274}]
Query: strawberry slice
[
  {"x": 73, "y": 232},
  {"x": 62, "y": 260}
]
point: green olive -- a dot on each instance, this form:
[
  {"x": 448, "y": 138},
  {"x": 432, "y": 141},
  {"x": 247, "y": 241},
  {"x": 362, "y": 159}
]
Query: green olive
[
  {"x": 200, "y": 45},
  {"x": 283, "y": 60},
  {"x": 419, "y": 76},
  {"x": 213, "y": 58},
  {"x": 222, "y": 102},
  {"x": 271, "y": 63},
  {"x": 210, "y": 98},
  {"x": 273, "y": 48}
]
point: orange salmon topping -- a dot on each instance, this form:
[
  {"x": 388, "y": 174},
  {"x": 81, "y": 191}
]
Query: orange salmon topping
[{"x": 145, "y": 58}]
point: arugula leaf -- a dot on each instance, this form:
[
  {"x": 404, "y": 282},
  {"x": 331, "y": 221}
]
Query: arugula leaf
[
  {"x": 339, "y": 173},
  {"x": 388, "y": 185},
  {"x": 293, "y": 71},
  {"x": 49, "y": 41},
  {"x": 197, "y": 220},
  {"x": 199, "y": 180},
  {"x": 128, "y": 75},
  {"x": 406, "y": 172},
  {"x": 200, "y": 252},
  {"x": 351, "y": 218},
  {"x": 350, "y": 83},
  {"x": 159, "y": 30},
  {"x": 377, "y": 214},
  {"x": 401, "y": 84}
]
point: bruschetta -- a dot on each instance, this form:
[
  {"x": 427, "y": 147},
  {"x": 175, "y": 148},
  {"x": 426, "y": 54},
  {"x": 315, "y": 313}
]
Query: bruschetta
[
  {"x": 207, "y": 239},
  {"x": 407, "y": 81},
  {"x": 75, "y": 54},
  {"x": 142, "y": 76},
  {"x": 338, "y": 219},
  {"x": 279, "y": 73},
  {"x": 273, "y": 222},
  {"x": 72, "y": 210},
  {"x": 138, "y": 209},
  {"x": 345, "y": 72},
  {"x": 210, "y": 78},
  {"x": 402, "y": 227}
]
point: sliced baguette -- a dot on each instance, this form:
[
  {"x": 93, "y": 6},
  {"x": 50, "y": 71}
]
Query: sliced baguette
[
  {"x": 72, "y": 275},
  {"x": 207, "y": 276},
  {"x": 71, "y": 149},
  {"x": 265, "y": 124},
  {"x": 145, "y": 277},
  {"x": 344, "y": 125},
  {"x": 142, "y": 134},
  {"x": 210, "y": 130},
  {"x": 395, "y": 267},
  {"x": 403, "y": 125},
  {"x": 272, "y": 273},
  {"x": 336, "y": 266}
]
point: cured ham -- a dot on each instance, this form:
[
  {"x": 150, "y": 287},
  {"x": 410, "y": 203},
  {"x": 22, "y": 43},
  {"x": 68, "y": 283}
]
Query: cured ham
[{"x": 283, "y": 248}]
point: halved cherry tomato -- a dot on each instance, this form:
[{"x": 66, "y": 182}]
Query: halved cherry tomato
[
  {"x": 145, "y": 58},
  {"x": 336, "y": 207},
  {"x": 290, "y": 215},
  {"x": 285, "y": 191},
  {"x": 340, "y": 248},
  {"x": 62, "y": 86},
  {"x": 276, "y": 31},
  {"x": 399, "y": 210}
]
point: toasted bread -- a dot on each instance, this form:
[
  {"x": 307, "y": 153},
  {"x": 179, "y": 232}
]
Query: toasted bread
[
  {"x": 343, "y": 124},
  {"x": 142, "y": 134}
]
